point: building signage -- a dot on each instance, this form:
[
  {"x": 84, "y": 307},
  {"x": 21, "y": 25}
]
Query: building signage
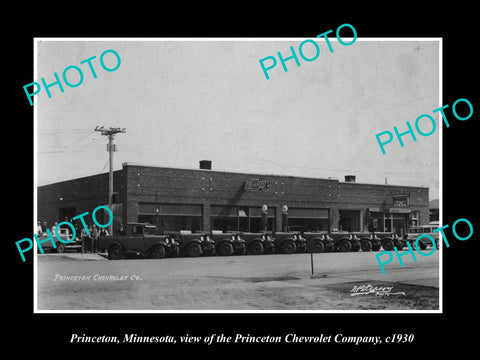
[
  {"x": 256, "y": 184},
  {"x": 400, "y": 201},
  {"x": 398, "y": 210}
]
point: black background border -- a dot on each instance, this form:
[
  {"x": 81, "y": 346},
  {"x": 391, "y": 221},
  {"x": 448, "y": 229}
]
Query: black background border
[{"x": 433, "y": 332}]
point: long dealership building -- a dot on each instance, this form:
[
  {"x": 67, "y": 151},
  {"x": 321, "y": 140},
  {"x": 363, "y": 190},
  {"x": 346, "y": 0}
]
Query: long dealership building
[{"x": 203, "y": 199}]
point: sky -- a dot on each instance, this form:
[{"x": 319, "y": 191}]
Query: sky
[{"x": 185, "y": 100}]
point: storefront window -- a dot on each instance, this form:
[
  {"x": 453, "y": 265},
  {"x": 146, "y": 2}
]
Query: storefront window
[
  {"x": 387, "y": 222},
  {"x": 239, "y": 218},
  {"x": 171, "y": 217},
  {"x": 304, "y": 219}
]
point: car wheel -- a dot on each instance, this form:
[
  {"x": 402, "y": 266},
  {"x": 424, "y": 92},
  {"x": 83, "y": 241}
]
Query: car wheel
[
  {"x": 256, "y": 248},
  {"x": 376, "y": 247},
  {"x": 387, "y": 244},
  {"x": 175, "y": 251},
  {"x": 158, "y": 252},
  {"x": 345, "y": 246},
  {"x": 60, "y": 247},
  {"x": 115, "y": 252},
  {"x": 319, "y": 246},
  {"x": 289, "y": 247},
  {"x": 194, "y": 250},
  {"x": 422, "y": 245},
  {"x": 225, "y": 249},
  {"x": 366, "y": 245}
]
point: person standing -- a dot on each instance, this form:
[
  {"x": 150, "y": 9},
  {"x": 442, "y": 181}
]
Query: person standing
[
  {"x": 121, "y": 231},
  {"x": 55, "y": 224},
  {"x": 84, "y": 235},
  {"x": 94, "y": 234}
]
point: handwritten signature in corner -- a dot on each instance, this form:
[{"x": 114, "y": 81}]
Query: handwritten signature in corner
[{"x": 377, "y": 290}]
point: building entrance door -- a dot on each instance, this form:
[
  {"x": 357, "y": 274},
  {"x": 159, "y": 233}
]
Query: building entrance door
[{"x": 349, "y": 220}]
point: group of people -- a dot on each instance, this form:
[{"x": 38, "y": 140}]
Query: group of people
[{"x": 89, "y": 239}]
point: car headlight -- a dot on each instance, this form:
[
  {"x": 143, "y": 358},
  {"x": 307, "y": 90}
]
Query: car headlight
[
  {"x": 233, "y": 237},
  {"x": 294, "y": 237},
  {"x": 166, "y": 241},
  {"x": 201, "y": 238}
]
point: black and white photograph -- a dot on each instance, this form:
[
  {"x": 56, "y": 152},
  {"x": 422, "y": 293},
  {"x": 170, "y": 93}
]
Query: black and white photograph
[
  {"x": 283, "y": 179},
  {"x": 211, "y": 180}
]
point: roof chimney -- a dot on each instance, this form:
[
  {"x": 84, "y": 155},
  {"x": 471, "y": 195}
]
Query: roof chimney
[
  {"x": 350, "y": 178},
  {"x": 205, "y": 164}
]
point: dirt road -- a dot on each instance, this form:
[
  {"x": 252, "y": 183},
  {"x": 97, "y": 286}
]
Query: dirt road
[{"x": 268, "y": 282}]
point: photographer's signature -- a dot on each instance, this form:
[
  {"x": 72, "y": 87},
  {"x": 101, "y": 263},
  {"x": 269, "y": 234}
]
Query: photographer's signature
[{"x": 377, "y": 290}]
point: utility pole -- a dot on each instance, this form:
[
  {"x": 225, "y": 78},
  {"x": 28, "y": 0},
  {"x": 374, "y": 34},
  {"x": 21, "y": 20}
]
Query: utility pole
[{"x": 110, "y": 132}]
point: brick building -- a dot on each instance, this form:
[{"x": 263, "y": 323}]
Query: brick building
[{"x": 203, "y": 199}]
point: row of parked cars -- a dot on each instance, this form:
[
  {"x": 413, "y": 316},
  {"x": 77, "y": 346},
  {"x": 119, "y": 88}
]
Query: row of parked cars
[{"x": 141, "y": 239}]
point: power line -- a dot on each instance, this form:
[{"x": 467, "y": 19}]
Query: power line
[{"x": 104, "y": 166}]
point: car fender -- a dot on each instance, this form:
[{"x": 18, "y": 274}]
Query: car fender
[
  {"x": 159, "y": 242},
  {"x": 191, "y": 241},
  {"x": 224, "y": 240},
  {"x": 119, "y": 243}
]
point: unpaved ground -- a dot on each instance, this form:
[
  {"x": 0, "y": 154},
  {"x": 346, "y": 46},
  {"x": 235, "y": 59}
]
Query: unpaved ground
[{"x": 268, "y": 282}]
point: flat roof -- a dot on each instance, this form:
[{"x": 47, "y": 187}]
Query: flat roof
[{"x": 264, "y": 174}]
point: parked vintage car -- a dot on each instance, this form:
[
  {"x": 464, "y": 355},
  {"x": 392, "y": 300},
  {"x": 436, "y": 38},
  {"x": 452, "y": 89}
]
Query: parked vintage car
[
  {"x": 344, "y": 241},
  {"x": 258, "y": 243},
  {"x": 390, "y": 240},
  {"x": 139, "y": 239},
  {"x": 193, "y": 244},
  {"x": 228, "y": 243},
  {"x": 368, "y": 241},
  {"x": 289, "y": 242},
  {"x": 60, "y": 247},
  {"x": 424, "y": 242},
  {"x": 318, "y": 242}
]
